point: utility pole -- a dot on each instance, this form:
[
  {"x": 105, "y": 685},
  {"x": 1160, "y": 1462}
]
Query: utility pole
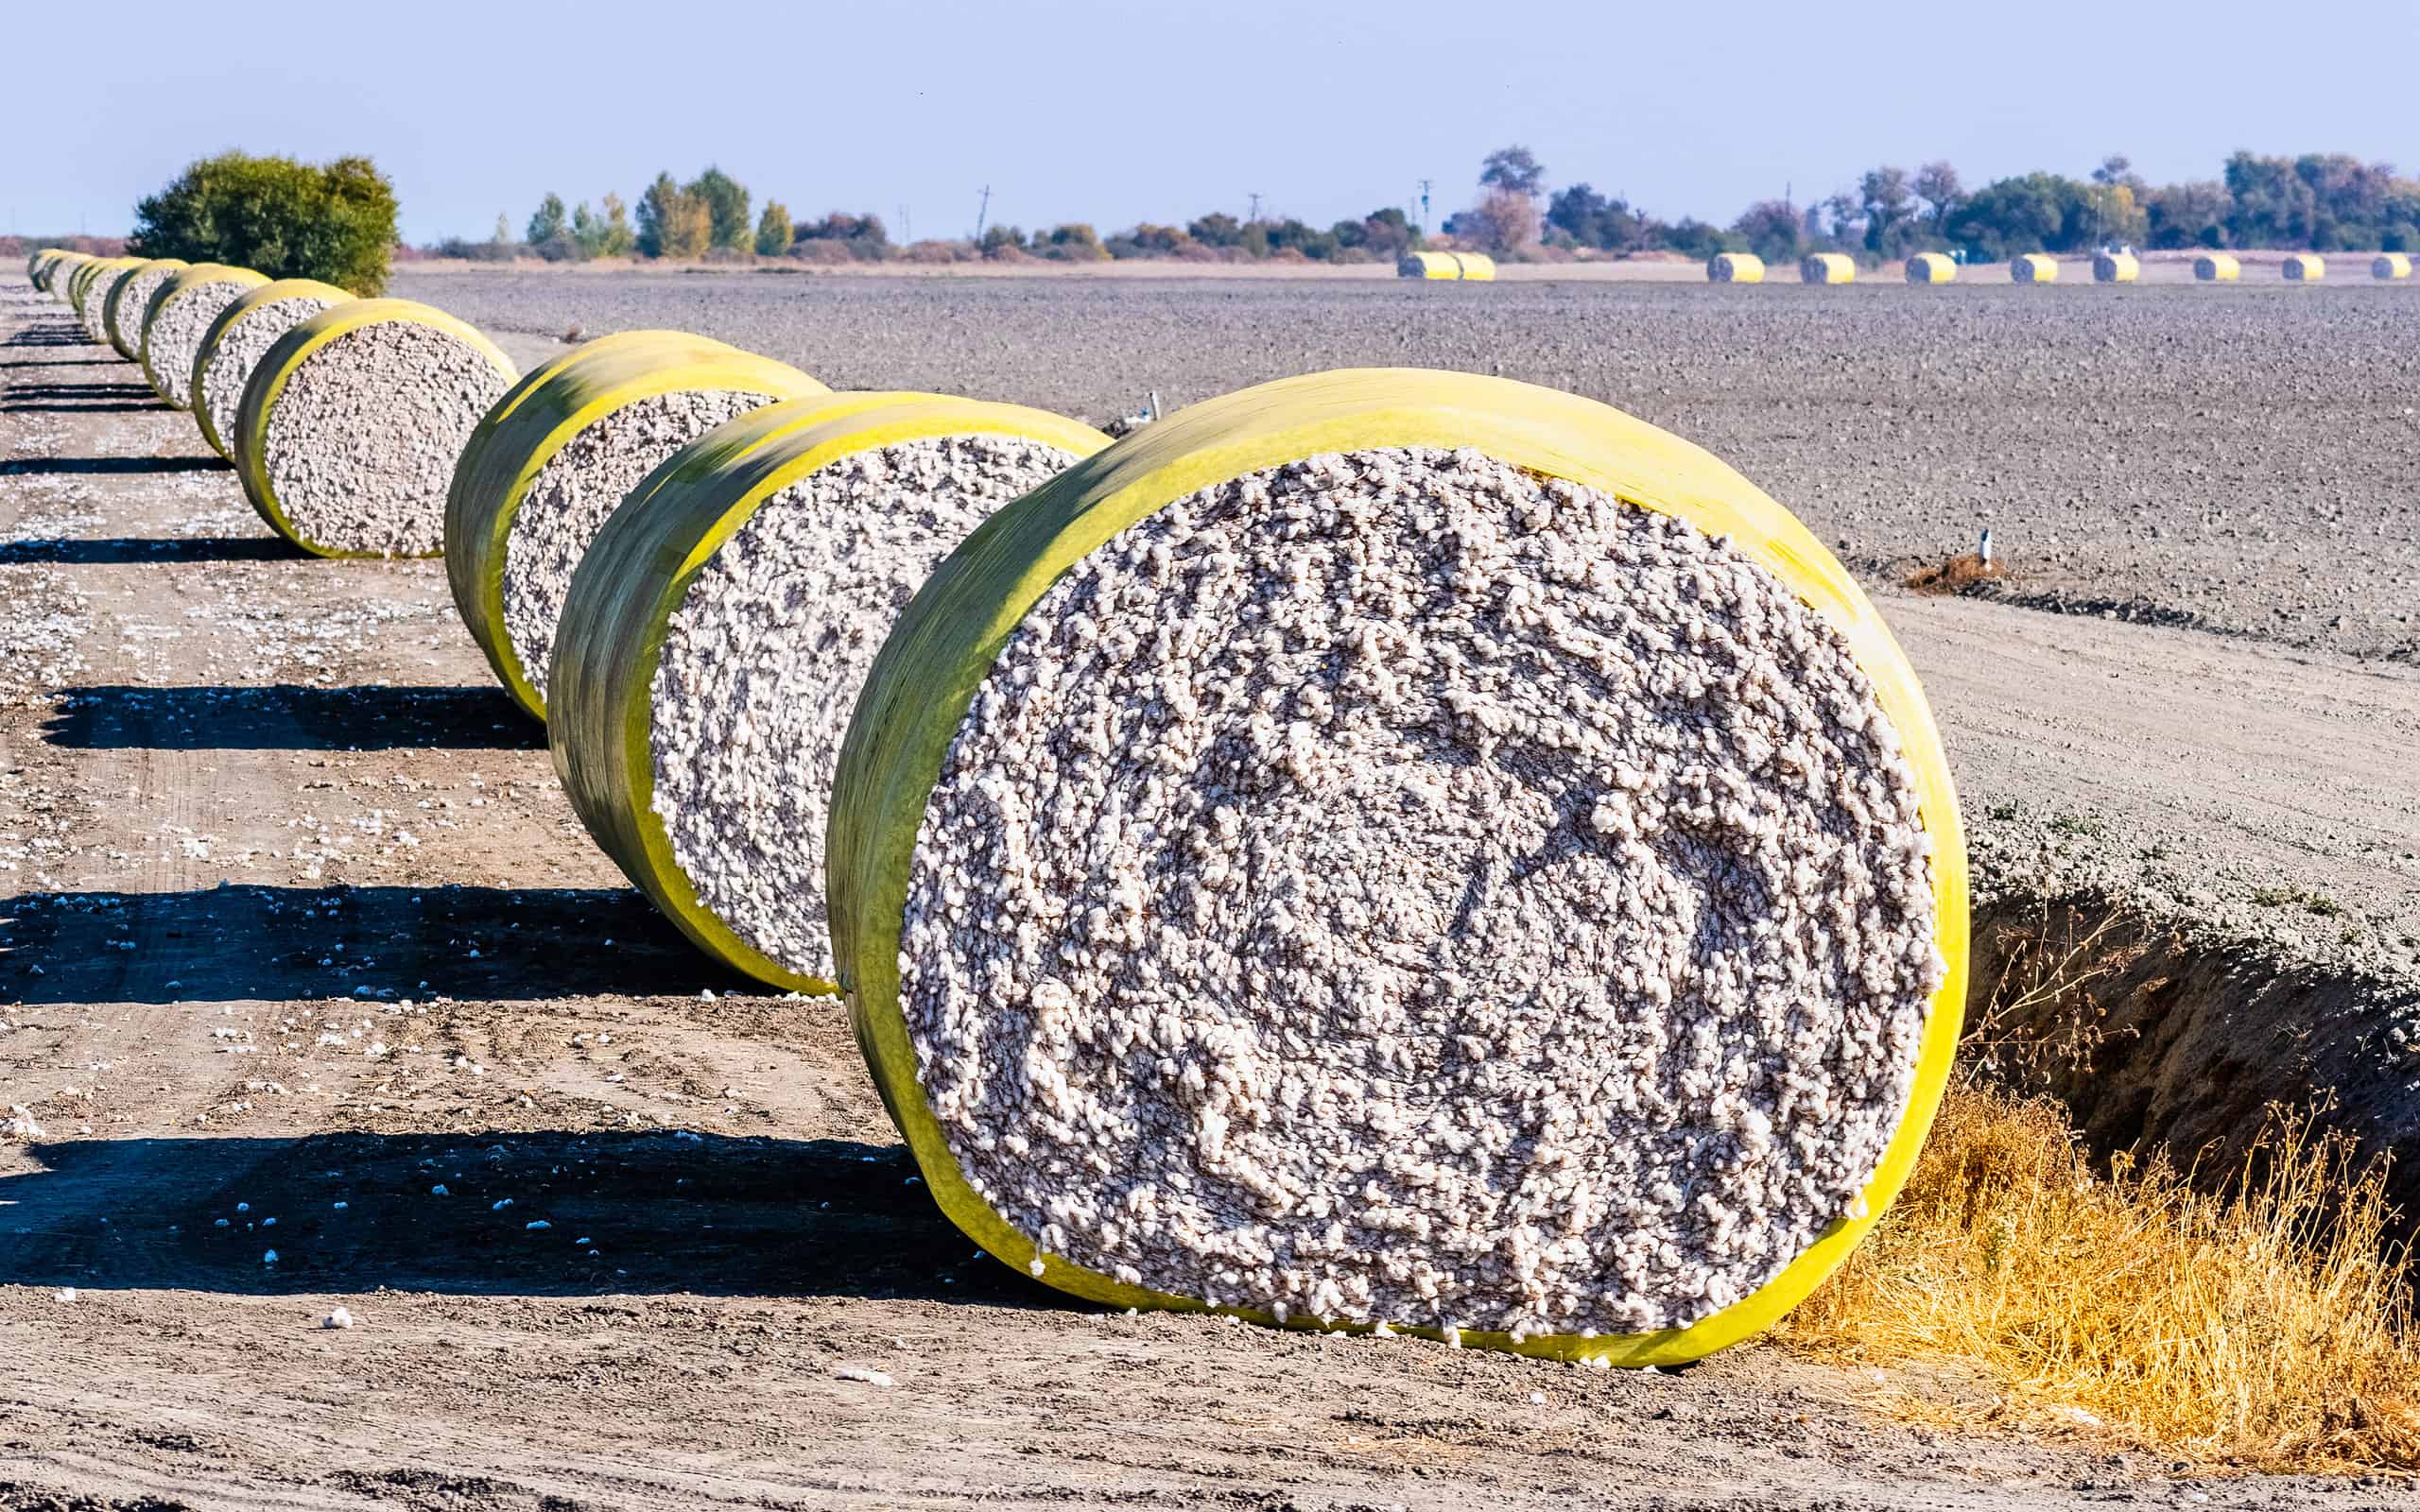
[
  {"x": 980, "y": 212},
  {"x": 1251, "y": 217},
  {"x": 1424, "y": 202},
  {"x": 907, "y": 227}
]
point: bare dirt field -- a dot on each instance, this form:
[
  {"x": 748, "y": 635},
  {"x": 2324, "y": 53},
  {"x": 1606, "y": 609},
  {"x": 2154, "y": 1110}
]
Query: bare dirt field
[{"x": 304, "y": 952}]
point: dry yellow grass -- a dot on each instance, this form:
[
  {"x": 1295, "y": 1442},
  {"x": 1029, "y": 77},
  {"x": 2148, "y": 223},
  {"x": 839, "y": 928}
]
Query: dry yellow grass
[{"x": 2267, "y": 1325}]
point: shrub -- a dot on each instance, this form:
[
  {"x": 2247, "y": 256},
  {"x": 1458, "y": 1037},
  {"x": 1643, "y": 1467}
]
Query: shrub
[
  {"x": 285, "y": 218},
  {"x": 1074, "y": 242},
  {"x": 860, "y": 237},
  {"x": 773, "y": 230}
]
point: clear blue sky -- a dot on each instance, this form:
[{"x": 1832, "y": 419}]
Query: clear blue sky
[{"x": 1080, "y": 110}]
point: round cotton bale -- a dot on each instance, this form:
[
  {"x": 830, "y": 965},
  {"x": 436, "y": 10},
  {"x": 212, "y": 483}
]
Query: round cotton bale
[
  {"x": 1406, "y": 848},
  {"x": 2304, "y": 268},
  {"x": 350, "y": 428},
  {"x": 2115, "y": 267},
  {"x": 121, "y": 312},
  {"x": 102, "y": 280},
  {"x": 1429, "y": 264},
  {"x": 1931, "y": 268},
  {"x": 1736, "y": 268},
  {"x": 2389, "y": 267},
  {"x": 180, "y": 316},
  {"x": 558, "y": 454},
  {"x": 1478, "y": 267},
  {"x": 239, "y": 338},
  {"x": 2033, "y": 267},
  {"x": 1828, "y": 267},
  {"x": 61, "y": 272},
  {"x": 718, "y": 631},
  {"x": 74, "y": 280},
  {"x": 2217, "y": 267}
]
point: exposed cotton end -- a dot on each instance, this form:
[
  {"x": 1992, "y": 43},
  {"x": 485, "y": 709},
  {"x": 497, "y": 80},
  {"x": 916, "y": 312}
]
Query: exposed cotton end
[
  {"x": 567, "y": 502},
  {"x": 763, "y": 659},
  {"x": 1393, "y": 887},
  {"x": 238, "y": 353},
  {"x": 361, "y": 443},
  {"x": 172, "y": 341}
]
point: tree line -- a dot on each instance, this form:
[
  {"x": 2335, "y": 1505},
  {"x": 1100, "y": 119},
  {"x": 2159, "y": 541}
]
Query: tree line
[{"x": 2317, "y": 201}]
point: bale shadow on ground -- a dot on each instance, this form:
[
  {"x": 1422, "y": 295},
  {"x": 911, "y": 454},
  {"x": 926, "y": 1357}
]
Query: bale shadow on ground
[
  {"x": 290, "y": 716},
  {"x": 112, "y": 407},
  {"x": 92, "y": 391},
  {"x": 231, "y": 943},
  {"x": 134, "y": 551},
  {"x": 662, "y": 1211},
  {"x": 108, "y": 466}
]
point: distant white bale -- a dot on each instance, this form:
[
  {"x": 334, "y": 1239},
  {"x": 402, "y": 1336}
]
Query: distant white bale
[
  {"x": 2391, "y": 266},
  {"x": 2217, "y": 267},
  {"x": 2117, "y": 267},
  {"x": 1931, "y": 268},
  {"x": 1736, "y": 268},
  {"x": 2305, "y": 268},
  {"x": 1828, "y": 267},
  {"x": 2033, "y": 267}
]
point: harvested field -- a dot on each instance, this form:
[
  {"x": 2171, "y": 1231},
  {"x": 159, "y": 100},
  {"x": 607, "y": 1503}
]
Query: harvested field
[
  {"x": 298, "y": 927},
  {"x": 2122, "y": 441}
]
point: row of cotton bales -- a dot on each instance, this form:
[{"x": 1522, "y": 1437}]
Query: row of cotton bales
[
  {"x": 1164, "y": 807},
  {"x": 2036, "y": 267}
]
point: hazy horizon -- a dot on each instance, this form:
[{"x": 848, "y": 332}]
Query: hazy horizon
[{"x": 1113, "y": 114}]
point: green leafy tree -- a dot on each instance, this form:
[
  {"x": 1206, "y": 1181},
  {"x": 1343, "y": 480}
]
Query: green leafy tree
[
  {"x": 2036, "y": 212},
  {"x": 726, "y": 202},
  {"x": 1074, "y": 242},
  {"x": 615, "y": 237},
  {"x": 1774, "y": 230},
  {"x": 547, "y": 224},
  {"x": 673, "y": 222},
  {"x": 1217, "y": 229},
  {"x": 285, "y": 218},
  {"x": 773, "y": 230},
  {"x": 1937, "y": 185},
  {"x": 1513, "y": 170},
  {"x": 1003, "y": 241},
  {"x": 1887, "y": 204},
  {"x": 1590, "y": 219}
]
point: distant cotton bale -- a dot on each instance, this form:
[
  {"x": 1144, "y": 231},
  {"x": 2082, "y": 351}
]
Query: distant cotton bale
[
  {"x": 2391, "y": 266},
  {"x": 1931, "y": 268},
  {"x": 2305, "y": 268},
  {"x": 1429, "y": 264},
  {"x": 1736, "y": 268},
  {"x": 2117, "y": 267},
  {"x": 2033, "y": 267},
  {"x": 2217, "y": 267},
  {"x": 1478, "y": 267},
  {"x": 1828, "y": 268}
]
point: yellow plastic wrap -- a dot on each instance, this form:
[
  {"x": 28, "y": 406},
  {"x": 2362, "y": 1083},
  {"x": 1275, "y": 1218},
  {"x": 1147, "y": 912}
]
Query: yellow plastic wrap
[
  {"x": 536, "y": 419},
  {"x": 2217, "y": 267},
  {"x": 2304, "y": 268},
  {"x": 2390, "y": 267},
  {"x": 1828, "y": 267},
  {"x": 2117, "y": 267},
  {"x": 1429, "y": 264},
  {"x": 1931, "y": 268},
  {"x": 174, "y": 383},
  {"x": 622, "y": 598},
  {"x": 1736, "y": 268},
  {"x": 2033, "y": 267},
  {"x": 268, "y": 293},
  {"x": 120, "y": 320},
  {"x": 948, "y": 639},
  {"x": 292, "y": 350},
  {"x": 1478, "y": 267}
]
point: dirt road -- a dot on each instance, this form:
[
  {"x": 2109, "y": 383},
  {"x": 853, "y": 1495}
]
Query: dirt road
[{"x": 314, "y": 996}]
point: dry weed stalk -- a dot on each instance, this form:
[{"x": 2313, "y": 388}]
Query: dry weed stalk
[{"x": 2267, "y": 1325}]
